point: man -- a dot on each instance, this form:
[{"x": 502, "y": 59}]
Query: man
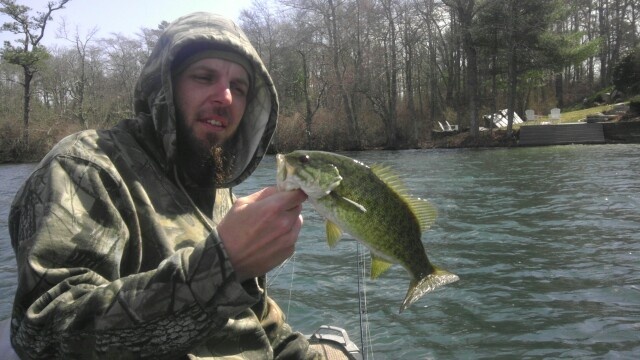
[{"x": 128, "y": 241}]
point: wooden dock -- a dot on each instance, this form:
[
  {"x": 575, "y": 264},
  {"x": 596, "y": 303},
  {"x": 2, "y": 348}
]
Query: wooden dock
[{"x": 535, "y": 135}]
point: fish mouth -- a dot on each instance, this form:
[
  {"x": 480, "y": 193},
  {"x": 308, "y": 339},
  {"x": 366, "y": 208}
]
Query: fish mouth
[{"x": 283, "y": 174}]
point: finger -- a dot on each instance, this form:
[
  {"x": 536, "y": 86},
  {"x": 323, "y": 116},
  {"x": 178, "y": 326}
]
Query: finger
[
  {"x": 290, "y": 238},
  {"x": 263, "y": 194},
  {"x": 290, "y": 202}
]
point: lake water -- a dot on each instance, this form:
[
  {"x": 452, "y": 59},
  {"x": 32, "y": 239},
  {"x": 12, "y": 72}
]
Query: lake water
[{"x": 546, "y": 242}]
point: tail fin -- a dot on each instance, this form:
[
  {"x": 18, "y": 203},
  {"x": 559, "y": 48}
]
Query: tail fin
[{"x": 417, "y": 288}]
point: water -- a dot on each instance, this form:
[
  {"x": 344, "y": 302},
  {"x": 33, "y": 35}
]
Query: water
[
  {"x": 11, "y": 177},
  {"x": 545, "y": 240}
]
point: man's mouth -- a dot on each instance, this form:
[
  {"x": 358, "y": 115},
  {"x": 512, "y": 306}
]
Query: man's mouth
[{"x": 214, "y": 122}]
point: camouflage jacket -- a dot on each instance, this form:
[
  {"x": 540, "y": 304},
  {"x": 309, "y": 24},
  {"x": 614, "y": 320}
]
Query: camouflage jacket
[{"x": 116, "y": 261}]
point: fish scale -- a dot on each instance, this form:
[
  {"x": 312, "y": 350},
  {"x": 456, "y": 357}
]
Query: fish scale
[{"x": 388, "y": 222}]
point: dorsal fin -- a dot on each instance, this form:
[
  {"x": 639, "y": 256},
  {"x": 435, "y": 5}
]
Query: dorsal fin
[
  {"x": 422, "y": 209},
  {"x": 389, "y": 177}
]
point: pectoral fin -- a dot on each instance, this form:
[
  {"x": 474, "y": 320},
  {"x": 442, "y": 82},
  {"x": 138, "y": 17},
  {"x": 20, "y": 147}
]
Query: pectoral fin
[
  {"x": 356, "y": 205},
  {"x": 334, "y": 233},
  {"x": 378, "y": 266},
  {"x": 349, "y": 202}
]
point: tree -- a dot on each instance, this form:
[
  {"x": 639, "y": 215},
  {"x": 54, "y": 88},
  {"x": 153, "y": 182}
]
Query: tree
[
  {"x": 521, "y": 31},
  {"x": 383, "y": 94},
  {"x": 125, "y": 59},
  {"x": 332, "y": 17},
  {"x": 411, "y": 37},
  {"x": 429, "y": 14},
  {"x": 466, "y": 10},
  {"x": 29, "y": 54},
  {"x": 626, "y": 73},
  {"x": 79, "y": 85}
]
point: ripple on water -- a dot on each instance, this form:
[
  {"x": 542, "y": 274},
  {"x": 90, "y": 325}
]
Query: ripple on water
[{"x": 545, "y": 241}]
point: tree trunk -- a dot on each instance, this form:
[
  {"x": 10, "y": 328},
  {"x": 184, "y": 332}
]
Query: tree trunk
[
  {"x": 559, "y": 90},
  {"x": 354, "y": 131},
  {"x": 28, "y": 76},
  {"x": 392, "y": 81},
  {"x": 411, "y": 108},
  {"x": 512, "y": 67},
  {"x": 308, "y": 117},
  {"x": 604, "y": 49},
  {"x": 472, "y": 77}
]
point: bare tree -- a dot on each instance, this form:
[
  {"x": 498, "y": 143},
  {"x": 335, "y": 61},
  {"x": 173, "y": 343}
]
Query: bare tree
[
  {"x": 125, "y": 58},
  {"x": 81, "y": 46},
  {"x": 336, "y": 46},
  {"x": 411, "y": 37},
  {"x": 383, "y": 94},
  {"x": 430, "y": 16}
]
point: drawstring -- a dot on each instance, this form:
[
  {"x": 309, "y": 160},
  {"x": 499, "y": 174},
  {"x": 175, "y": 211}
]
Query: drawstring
[{"x": 202, "y": 217}]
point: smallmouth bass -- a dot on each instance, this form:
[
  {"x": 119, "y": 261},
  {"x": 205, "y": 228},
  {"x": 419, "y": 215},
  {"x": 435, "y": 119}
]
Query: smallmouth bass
[{"x": 370, "y": 204}]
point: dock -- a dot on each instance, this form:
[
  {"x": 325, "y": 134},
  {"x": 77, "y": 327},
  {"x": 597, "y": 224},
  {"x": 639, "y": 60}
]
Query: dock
[{"x": 563, "y": 134}]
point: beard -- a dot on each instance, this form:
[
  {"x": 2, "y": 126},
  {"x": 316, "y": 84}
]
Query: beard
[{"x": 205, "y": 165}]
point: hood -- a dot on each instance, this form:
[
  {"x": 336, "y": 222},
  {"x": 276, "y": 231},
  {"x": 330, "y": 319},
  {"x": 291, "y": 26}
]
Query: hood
[{"x": 154, "y": 96}]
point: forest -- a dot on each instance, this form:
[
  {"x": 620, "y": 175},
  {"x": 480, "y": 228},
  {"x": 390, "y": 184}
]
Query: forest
[{"x": 351, "y": 74}]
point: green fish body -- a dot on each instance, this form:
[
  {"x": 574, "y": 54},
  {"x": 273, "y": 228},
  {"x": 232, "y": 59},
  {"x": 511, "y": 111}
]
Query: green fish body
[{"x": 370, "y": 204}]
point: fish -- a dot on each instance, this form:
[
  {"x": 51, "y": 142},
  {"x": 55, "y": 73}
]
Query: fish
[{"x": 372, "y": 205}]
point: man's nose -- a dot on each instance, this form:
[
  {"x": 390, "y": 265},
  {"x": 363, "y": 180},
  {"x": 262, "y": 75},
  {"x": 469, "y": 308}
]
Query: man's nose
[{"x": 221, "y": 93}]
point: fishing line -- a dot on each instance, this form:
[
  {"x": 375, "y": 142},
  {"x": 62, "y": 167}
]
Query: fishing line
[
  {"x": 276, "y": 272},
  {"x": 365, "y": 335},
  {"x": 293, "y": 270},
  {"x": 273, "y": 276}
]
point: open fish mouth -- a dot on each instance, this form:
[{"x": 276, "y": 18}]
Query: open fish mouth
[{"x": 283, "y": 173}]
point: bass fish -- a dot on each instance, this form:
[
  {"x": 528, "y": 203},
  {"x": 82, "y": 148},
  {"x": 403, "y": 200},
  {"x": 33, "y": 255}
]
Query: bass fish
[{"x": 372, "y": 205}]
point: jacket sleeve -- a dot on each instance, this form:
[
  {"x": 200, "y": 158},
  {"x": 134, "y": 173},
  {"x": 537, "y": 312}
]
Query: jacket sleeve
[
  {"x": 84, "y": 291},
  {"x": 286, "y": 343}
]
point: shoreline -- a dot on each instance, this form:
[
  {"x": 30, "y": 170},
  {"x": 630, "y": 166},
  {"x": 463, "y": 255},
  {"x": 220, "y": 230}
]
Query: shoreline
[
  {"x": 625, "y": 131},
  {"x": 615, "y": 132}
]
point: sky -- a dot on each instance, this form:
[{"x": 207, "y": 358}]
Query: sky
[{"x": 120, "y": 16}]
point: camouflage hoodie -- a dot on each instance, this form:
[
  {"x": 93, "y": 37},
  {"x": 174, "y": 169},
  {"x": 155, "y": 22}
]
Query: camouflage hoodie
[{"x": 115, "y": 260}]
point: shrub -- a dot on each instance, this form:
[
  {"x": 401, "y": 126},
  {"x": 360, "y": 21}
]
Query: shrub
[
  {"x": 634, "y": 105},
  {"x": 626, "y": 73}
]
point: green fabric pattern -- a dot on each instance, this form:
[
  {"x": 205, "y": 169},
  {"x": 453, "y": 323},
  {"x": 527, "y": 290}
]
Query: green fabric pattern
[{"x": 115, "y": 261}]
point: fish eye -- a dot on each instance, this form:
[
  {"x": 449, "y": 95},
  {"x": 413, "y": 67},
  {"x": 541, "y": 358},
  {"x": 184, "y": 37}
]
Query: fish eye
[{"x": 304, "y": 159}]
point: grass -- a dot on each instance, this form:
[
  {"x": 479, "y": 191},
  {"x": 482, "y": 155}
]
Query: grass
[{"x": 570, "y": 116}]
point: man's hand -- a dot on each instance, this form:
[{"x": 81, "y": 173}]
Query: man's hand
[{"x": 260, "y": 231}]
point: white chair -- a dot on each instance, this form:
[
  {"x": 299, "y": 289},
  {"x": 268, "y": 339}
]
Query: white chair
[{"x": 530, "y": 115}]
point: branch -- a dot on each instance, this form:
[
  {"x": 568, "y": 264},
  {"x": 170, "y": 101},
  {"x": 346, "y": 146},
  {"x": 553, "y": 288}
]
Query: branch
[{"x": 41, "y": 21}]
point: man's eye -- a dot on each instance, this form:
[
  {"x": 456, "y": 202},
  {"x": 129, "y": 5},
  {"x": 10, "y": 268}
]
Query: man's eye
[
  {"x": 239, "y": 89},
  {"x": 203, "y": 78}
]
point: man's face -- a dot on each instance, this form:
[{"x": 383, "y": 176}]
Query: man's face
[{"x": 210, "y": 98}]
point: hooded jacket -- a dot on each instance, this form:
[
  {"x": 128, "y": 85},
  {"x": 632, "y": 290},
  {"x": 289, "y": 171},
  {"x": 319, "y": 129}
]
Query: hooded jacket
[{"x": 114, "y": 258}]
